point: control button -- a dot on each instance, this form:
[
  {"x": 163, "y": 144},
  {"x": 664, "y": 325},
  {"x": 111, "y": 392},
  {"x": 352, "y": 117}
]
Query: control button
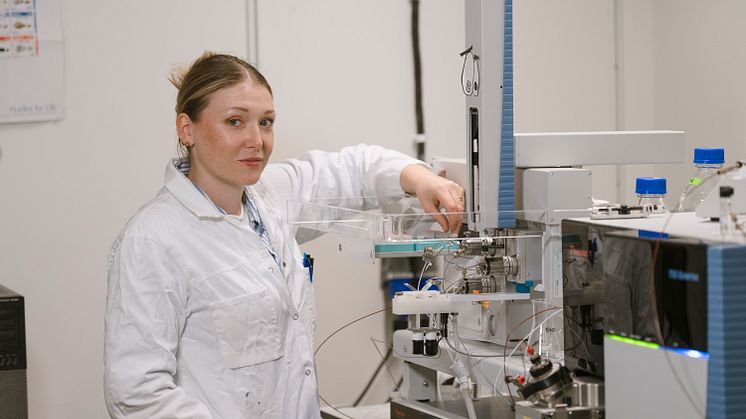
[
  {"x": 295, "y": 316},
  {"x": 308, "y": 371}
]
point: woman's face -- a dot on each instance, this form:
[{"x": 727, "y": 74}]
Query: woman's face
[{"x": 233, "y": 136}]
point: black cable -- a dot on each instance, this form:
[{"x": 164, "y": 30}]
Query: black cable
[
  {"x": 417, "y": 76},
  {"x": 373, "y": 377},
  {"x": 331, "y": 336},
  {"x": 401, "y": 380}
]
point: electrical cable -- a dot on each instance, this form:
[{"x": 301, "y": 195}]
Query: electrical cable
[
  {"x": 401, "y": 380},
  {"x": 384, "y": 359},
  {"x": 331, "y": 336},
  {"x": 417, "y": 61},
  {"x": 388, "y": 355}
]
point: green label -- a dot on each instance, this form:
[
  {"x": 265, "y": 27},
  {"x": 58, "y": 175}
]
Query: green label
[{"x": 695, "y": 181}]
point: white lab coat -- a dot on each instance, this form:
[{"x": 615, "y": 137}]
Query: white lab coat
[{"x": 201, "y": 321}]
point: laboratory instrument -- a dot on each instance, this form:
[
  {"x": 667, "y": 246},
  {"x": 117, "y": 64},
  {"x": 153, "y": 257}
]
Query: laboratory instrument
[
  {"x": 13, "y": 385},
  {"x": 624, "y": 289}
]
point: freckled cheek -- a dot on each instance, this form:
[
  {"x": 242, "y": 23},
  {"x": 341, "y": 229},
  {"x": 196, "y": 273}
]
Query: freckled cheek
[{"x": 220, "y": 145}]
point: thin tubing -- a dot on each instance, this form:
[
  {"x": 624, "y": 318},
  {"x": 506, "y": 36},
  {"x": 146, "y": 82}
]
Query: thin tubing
[
  {"x": 384, "y": 359},
  {"x": 331, "y": 336}
]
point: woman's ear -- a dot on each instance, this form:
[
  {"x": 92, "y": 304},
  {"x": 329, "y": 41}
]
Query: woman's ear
[{"x": 184, "y": 130}]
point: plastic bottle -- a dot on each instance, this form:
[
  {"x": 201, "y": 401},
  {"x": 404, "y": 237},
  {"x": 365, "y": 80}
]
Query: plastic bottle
[
  {"x": 707, "y": 161},
  {"x": 727, "y": 224},
  {"x": 651, "y": 190}
]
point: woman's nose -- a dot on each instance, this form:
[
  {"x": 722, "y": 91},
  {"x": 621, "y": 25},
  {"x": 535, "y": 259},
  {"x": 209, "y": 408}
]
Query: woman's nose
[{"x": 253, "y": 136}]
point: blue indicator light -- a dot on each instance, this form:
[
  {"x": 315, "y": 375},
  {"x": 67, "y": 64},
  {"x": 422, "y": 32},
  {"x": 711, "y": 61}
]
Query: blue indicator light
[{"x": 691, "y": 353}]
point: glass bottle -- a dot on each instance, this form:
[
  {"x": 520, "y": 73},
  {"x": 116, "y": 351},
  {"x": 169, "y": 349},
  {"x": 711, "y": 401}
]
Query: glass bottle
[
  {"x": 727, "y": 223},
  {"x": 707, "y": 162},
  {"x": 651, "y": 191}
]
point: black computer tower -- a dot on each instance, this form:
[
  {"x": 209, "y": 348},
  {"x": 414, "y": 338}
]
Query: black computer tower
[{"x": 13, "y": 387}]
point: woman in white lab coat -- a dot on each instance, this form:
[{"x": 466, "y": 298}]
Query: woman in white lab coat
[{"x": 210, "y": 312}]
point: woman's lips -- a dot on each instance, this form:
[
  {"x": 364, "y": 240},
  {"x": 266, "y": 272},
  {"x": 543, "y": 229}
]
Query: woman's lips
[{"x": 252, "y": 162}]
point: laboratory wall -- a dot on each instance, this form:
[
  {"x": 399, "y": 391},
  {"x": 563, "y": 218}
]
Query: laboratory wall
[
  {"x": 684, "y": 66},
  {"x": 342, "y": 74},
  {"x": 69, "y": 186},
  {"x": 700, "y": 78}
]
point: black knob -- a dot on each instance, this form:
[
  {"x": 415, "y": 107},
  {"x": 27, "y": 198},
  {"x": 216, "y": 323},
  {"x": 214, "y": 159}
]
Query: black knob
[
  {"x": 431, "y": 347},
  {"x": 418, "y": 347}
]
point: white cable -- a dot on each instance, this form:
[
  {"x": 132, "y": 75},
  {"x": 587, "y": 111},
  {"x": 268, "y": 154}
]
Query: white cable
[
  {"x": 424, "y": 268},
  {"x": 469, "y": 403},
  {"x": 497, "y": 378}
]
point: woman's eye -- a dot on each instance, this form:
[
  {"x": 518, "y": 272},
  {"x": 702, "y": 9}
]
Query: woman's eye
[
  {"x": 234, "y": 122},
  {"x": 266, "y": 123}
]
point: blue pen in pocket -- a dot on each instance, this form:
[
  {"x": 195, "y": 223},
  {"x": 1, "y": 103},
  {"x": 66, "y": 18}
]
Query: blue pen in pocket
[{"x": 308, "y": 264}]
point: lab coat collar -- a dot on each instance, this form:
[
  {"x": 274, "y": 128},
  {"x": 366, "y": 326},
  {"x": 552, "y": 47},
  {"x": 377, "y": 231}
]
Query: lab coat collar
[{"x": 185, "y": 192}]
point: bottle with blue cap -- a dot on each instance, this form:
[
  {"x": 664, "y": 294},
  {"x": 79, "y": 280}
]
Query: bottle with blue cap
[
  {"x": 707, "y": 162},
  {"x": 651, "y": 191}
]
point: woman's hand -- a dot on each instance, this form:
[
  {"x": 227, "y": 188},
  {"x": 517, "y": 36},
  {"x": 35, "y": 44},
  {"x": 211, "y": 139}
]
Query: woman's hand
[{"x": 435, "y": 192}]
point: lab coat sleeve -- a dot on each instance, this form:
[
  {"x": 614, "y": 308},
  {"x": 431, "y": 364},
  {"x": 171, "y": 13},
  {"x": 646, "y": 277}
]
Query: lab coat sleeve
[
  {"x": 358, "y": 177},
  {"x": 145, "y": 314}
]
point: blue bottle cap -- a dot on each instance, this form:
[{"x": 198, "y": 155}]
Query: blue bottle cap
[
  {"x": 650, "y": 186},
  {"x": 704, "y": 155}
]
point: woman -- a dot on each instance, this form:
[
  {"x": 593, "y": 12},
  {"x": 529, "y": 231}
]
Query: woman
[{"x": 209, "y": 312}]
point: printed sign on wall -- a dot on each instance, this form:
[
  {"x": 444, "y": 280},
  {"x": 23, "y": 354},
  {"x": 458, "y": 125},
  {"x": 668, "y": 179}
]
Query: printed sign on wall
[{"x": 31, "y": 61}]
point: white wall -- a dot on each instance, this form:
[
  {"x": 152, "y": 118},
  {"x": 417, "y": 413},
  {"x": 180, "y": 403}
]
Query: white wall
[
  {"x": 700, "y": 82},
  {"x": 564, "y": 72},
  {"x": 68, "y": 187},
  {"x": 636, "y": 52}
]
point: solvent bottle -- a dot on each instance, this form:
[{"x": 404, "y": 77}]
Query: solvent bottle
[
  {"x": 707, "y": 162},
  {"x": 651, "y": 191},
  {"x": 727, "y": 224}
]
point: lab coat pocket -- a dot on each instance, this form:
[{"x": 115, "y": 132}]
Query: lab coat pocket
[{"x": 247, "y": 329}]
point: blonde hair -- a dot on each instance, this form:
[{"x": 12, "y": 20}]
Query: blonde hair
[{"x": 205, "y": 76}]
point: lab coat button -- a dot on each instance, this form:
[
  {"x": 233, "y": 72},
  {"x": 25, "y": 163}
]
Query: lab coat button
[
  {"x": 271, "y": 269},
  {"x": 308, "y": 371},
  {"x": 295, "y": 316}
]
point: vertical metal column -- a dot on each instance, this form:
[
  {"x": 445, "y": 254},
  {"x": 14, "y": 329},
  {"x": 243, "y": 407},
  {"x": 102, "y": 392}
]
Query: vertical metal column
[{"x": 488, "y": 85}]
